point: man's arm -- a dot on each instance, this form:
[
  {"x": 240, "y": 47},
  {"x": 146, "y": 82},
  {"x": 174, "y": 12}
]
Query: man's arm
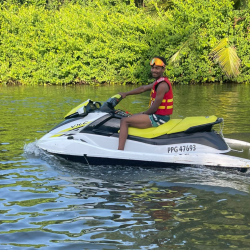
[
  {"x": 162, "y": 89},
  {"x": 137, "y": 90}
]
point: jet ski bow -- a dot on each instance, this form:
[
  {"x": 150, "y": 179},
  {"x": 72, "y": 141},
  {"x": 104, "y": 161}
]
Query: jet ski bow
[{"x": 90, "y": 133}]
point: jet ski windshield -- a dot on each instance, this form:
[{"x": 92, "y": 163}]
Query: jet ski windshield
[
  {"x": 83, "y": 109},
  {"x": 89, "y": 106}
]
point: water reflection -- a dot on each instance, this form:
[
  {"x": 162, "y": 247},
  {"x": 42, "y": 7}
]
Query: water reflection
[
  {"x": 70, "y": 208},
  {"x": 50, "y": 203}
]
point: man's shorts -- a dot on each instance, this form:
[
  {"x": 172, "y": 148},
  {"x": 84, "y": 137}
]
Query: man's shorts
[{"x": 157, "y": 120}]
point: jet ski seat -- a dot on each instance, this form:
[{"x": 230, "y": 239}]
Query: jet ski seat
[{"x": 187, "y": 125}]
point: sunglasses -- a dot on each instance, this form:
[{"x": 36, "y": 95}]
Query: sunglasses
[{"x": 157, "y": 62}]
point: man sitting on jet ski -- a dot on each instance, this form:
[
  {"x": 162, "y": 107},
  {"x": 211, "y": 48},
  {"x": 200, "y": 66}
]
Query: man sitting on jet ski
[{"x": 161, "y": 102}]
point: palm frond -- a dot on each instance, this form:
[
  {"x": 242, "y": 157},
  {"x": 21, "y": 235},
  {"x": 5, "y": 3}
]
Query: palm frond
[
  {"x": 175, "y": 57},
  {"x": 227, "y": 58},
  {"x": 223, "y": 43},
  {"x": 229, "y": 61}
]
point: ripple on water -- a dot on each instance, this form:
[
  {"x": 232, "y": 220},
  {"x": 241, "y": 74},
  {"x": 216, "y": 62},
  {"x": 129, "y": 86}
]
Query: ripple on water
[{"x": 120, "y": 207}]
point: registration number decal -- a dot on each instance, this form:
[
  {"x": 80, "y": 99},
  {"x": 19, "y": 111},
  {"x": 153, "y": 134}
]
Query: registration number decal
[{"x": 178, "y": 149}]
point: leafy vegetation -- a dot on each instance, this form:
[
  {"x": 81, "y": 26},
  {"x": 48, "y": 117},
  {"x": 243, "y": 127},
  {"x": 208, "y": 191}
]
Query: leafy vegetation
[
  {"x": 227, "y": 58},
  {"x": 63, "y": 42}
]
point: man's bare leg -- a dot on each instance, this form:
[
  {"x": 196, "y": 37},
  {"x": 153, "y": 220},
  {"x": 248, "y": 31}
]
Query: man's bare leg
[{"x": 136, "y": 121}]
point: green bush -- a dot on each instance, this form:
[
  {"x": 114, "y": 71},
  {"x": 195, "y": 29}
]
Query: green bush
[
  {"x": 73, "y": 44},
  {"x": 201, "y": 25},
  {"x": 63, "y": 42}
]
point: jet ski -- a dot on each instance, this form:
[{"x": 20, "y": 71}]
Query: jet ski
[{"x": 90, "y": 133}]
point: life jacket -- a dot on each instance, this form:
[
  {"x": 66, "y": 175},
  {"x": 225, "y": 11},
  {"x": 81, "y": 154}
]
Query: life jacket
[{"x": 166, "y": 106}]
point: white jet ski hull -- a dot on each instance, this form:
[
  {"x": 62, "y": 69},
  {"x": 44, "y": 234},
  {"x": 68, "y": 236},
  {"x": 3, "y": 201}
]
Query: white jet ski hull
[
  {"x": 90, "y": 134},
  {"x": 89, "y": 151}
]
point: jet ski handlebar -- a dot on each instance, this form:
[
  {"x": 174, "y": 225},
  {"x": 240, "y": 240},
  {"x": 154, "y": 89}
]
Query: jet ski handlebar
[{"x": 110, "y": 104}]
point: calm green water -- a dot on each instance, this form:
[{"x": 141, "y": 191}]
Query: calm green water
[{"x": 47, "y": 203}]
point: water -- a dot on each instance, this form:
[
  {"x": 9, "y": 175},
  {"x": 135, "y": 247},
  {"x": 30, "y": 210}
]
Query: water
[{"x": 49, "y": 203}]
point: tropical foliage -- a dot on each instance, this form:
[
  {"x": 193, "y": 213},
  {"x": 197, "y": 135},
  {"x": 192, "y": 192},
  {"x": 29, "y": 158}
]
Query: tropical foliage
[
  {"x": 227, "y": 58},
  {"x": 200, "y": 26},
  {"x": 63, "y": 42}
]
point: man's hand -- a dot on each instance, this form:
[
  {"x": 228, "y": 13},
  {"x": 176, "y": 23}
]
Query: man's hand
[{"x": 123, "y": 94}]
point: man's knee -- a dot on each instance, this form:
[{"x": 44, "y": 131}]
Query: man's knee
[{"x": 124, "y": 120}]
